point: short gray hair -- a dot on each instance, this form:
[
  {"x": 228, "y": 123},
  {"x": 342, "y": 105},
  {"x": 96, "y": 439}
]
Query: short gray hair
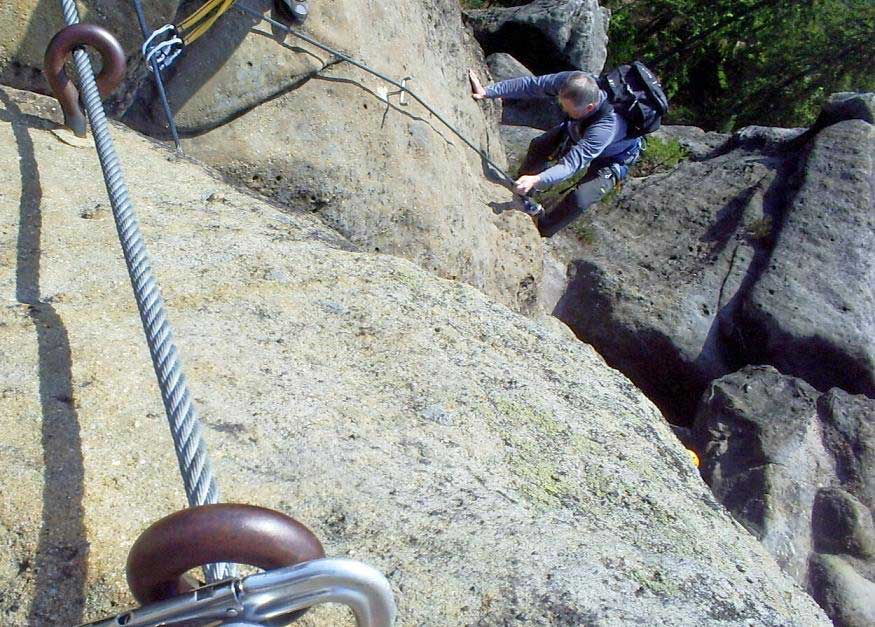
[{"x": 581, "y": 89}]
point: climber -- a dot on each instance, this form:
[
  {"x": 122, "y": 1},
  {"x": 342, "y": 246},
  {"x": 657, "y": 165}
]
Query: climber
[{"x": 594, "y": 138}]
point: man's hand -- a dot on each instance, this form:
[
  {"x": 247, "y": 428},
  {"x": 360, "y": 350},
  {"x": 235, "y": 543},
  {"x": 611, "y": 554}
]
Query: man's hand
[
  {"x": 524, "y": 184},
  {"x": 477, "y": 91}
]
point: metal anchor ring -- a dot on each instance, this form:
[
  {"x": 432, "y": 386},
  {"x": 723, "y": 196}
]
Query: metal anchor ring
[
  {"x": 225, "y": 532},
  {"x": 64, "y": 42}
]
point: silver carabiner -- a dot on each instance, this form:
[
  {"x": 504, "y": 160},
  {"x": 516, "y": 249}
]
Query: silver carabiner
[
  {"x": 164, "y": 52},
  {"x": 270, "y": 597}
]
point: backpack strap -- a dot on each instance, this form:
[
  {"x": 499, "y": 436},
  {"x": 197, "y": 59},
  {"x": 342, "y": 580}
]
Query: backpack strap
[{"x": 606, "y": 108}]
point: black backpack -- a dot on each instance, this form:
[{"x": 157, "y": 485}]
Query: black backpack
[{"x": 636, "y": 96}]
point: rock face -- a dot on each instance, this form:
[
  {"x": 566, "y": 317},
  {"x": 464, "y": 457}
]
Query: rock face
[
  {"x": 755, "y": 250},
  {"x": 546, "y": 35},
  {"x": 516, "y": 140},
  {"x": 27, "y": 26},
  {"x": 223, "y": 74},
  {"x": 795, "y": 467},
  {"x": 495, "y": 471},
  {"x": 812, "y": 312},
  {"x": 655, "y": 286},
  {"x": 539, "y": 113},
  {"x": 314, "y": 134}
]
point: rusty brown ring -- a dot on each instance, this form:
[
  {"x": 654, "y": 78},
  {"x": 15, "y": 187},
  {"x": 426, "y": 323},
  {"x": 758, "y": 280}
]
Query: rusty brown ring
[
  {"x": 243, "y": 534},
  {"x": 111, "y": 74}
]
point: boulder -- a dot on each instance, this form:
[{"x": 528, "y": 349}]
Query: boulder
[
  {"x": 842, "y": 592},
  {"x": 810, "y": 313},
  {"x": 768, "y": 138},
  {"x": 388, "y": 177},
  {"x": 787, "y": 462},
  {"x": 847, "y": 106},
  {"x": 496, "y": 472},
  {"x": 546, "y": 35},
  {"x": 540, "y": 113},
  {"x": 756, "y": 250},
  {"x": 503, "y": 67},
  {"x": 27, "y": 26},
  {"x": 842, "y": 524},
  {"x": 764, "y": 459},
  {"x": 850, "y": 438},
  {"x": 663, "y": 267}
]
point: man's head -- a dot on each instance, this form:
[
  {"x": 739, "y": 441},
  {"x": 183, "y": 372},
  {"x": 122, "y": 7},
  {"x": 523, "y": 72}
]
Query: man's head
[{"x": 579, "y": 96}]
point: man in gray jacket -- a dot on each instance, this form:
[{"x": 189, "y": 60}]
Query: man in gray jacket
[{"x": 592, "y": 139}]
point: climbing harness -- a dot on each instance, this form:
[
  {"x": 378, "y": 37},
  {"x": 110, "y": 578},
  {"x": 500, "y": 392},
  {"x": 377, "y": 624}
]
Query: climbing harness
[
  {"x": 160, "y": 49},
  {"x": 208, "y": 534},
  {"x": 530, "y": 205}
]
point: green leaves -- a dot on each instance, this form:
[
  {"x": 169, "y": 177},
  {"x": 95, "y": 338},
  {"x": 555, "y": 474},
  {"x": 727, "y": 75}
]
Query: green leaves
[{"x": 730, "y": 63}]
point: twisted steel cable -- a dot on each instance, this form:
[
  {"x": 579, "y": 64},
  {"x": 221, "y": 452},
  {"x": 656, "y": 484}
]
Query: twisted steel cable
[{"x": 185, "y": 426}]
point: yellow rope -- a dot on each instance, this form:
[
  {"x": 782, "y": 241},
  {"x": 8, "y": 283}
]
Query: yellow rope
[
  {"x": 203, "y": 19},
  {"x": 192, "y": 19}
]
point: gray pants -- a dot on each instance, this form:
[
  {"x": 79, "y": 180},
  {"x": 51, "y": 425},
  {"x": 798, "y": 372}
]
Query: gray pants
[{"x": 599, "y": 180}]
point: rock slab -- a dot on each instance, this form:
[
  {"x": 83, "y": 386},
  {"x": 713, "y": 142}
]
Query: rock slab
[
  {"x": 812, "y": 312},
  {"x": 313, "y": 133},
  {"x": 546, "y": 35}
]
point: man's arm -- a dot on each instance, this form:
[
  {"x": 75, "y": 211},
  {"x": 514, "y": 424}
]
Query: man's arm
[
  {"x": 529, "y": 86},
  {"x": 594, "y": 141}
]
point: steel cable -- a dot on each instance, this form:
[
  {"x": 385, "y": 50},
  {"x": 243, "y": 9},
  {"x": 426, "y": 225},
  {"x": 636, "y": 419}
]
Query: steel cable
[
  {"x": 156, "y": 73},
  {"x": 340, "y": 55},
  {"x": 185, "y": 426}
]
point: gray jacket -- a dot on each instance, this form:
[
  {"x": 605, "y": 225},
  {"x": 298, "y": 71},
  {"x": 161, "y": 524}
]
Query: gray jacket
[{"x": 604, "y": 138}]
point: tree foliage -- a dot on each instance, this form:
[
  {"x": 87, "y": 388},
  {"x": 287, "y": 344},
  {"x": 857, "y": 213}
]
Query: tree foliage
[
  {"x": 729, "y": 63},
  {"x": 485, "y": 4}
]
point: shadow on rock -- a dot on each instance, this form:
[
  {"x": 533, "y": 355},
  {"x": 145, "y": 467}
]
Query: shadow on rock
[
  {"x": 60, "y": 564},
  {"x": 199, "y": 63}
]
